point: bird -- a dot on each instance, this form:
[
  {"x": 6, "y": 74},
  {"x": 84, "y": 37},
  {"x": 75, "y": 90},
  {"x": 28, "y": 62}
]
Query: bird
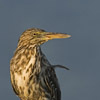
[{"x": 32, "y": 76}]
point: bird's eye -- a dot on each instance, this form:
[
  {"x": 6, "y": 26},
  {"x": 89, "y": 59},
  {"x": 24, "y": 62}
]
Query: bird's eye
[{"x": 34, "y": 34}]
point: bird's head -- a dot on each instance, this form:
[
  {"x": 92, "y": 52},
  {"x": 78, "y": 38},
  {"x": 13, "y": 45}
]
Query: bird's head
[{"x": 35, "y": 36}]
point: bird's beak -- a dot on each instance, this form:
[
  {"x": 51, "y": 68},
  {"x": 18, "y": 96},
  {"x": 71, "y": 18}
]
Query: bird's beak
[{"x": 51, "y": 35}]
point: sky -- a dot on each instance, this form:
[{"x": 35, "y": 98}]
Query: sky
[{"x": 80, "y": 53}]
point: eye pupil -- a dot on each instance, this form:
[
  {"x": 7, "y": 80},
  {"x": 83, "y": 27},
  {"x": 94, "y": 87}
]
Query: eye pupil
[{"x": 34, "y": 34}]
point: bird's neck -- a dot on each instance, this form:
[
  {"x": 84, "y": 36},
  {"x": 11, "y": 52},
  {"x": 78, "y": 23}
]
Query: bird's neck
[
  {"x": 41, "y": 57},
  {"x": 30, "y": 58}
]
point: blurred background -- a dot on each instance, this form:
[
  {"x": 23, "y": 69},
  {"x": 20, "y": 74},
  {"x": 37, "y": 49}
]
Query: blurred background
[{"x": 80, "y": 53}]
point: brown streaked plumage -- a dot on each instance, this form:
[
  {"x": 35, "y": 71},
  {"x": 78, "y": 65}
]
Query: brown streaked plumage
[{"x": 32, "y": 76}]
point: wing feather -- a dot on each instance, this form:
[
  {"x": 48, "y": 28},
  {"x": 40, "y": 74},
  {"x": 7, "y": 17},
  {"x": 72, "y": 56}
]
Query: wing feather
[{"x": 51, "y": 83}]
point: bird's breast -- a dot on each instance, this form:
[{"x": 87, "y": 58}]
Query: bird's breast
[{"x": 25, "y": 77}]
